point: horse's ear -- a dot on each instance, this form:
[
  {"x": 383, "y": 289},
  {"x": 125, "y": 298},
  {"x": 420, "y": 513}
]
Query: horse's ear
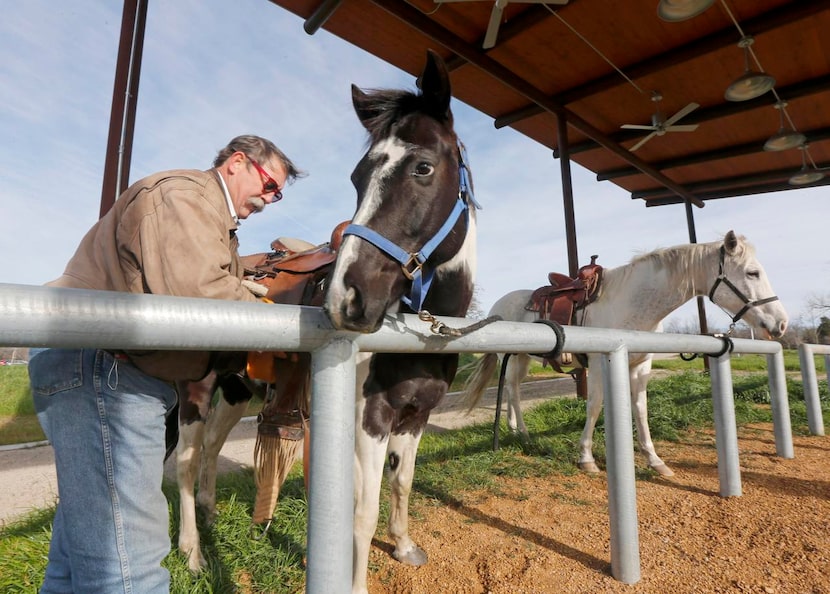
[
  {"x": 434, "y": 83},
  {"x": 363, "y": 106},
  {"x": 731, "y": 243}
]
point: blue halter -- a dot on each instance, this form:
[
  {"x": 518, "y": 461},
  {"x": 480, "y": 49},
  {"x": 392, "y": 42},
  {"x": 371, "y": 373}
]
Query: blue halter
[{"x": 412, "y": 263}]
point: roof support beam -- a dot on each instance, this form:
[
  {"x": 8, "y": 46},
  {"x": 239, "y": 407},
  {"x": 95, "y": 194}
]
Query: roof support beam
[
  {"x": 416, "y": 19},
  {"x": 737, "y": 150},
  {"x": 320, "y": 15},
  {"x": 733, "y": 186},
  {"x": 731, "y": 193},
  {"x": 508, "y": 30}
]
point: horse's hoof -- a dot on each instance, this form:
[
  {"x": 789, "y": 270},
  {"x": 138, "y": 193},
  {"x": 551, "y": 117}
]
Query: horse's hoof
[
  {"x": 662, "y": 470},
  {"x": 196, "y": 563},
  {"x": 415, "y": 556},
  {"x": 589, "y": 467},
  {"x": 208, "y": 513}
]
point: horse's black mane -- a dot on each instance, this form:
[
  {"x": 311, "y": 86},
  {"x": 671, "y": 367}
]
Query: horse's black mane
[{"x": 389, "y": 107}]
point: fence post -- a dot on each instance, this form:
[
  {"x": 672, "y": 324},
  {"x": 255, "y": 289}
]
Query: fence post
[
  {"x": 780, "y": 405},
  {"x": 619, "y": 461},
  {"x": 810, "y": 383},
  {"x": 726, "y": 431},
  {"x": 331, "y": 484}
]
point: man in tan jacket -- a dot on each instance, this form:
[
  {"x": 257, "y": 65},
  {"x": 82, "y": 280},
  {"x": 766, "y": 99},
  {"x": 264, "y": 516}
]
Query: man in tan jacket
[{"x": 172, "y": 233}]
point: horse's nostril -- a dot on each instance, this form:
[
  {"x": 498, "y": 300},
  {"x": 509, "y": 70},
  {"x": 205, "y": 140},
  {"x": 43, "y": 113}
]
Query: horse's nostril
[{"x": 353, "y": 306}]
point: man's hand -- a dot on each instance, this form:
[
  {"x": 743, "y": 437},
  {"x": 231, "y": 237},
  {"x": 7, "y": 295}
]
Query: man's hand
[{"x": 255, "y": 288}]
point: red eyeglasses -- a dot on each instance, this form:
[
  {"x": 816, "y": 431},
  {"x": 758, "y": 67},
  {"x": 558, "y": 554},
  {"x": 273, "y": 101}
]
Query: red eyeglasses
[{"x": 269, "y": 185}]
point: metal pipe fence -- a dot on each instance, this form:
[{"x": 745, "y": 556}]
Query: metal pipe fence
[
  {"x": 45, "y": 316},
  {"x": 807, "y": 362}
]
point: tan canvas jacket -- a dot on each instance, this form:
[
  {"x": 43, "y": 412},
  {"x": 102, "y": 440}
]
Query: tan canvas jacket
[{"x": 168, "y": 234}]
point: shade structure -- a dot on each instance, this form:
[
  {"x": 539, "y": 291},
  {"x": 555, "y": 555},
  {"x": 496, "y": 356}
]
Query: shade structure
[{"x": 674, "y": 11}]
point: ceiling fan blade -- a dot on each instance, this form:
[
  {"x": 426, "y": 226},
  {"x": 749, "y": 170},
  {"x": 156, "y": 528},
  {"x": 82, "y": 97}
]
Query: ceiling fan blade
[
  {"x": 642, "y": 142},
  {"x": 493, "y": 25},
  {"x": 682, "y": 128},
  {"x": 637, "y": 127},
  {"x": 681, "y": 114}
]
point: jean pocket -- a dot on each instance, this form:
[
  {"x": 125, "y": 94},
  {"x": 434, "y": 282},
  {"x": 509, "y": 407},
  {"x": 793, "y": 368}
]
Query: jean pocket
[
  {"x": 56, "y": 370},
  {"x": 125, "y": 378}
]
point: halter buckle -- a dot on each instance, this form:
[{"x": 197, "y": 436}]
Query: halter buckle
[{"x": 412, "y": 267}]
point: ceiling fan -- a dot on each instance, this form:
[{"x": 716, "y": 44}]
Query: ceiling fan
[
  {"x": 660, "y": 125},
  {"x": 495, "y": 16}
]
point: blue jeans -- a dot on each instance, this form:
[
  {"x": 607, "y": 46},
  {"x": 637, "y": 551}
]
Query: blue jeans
[{"x": 105, "y": 420}]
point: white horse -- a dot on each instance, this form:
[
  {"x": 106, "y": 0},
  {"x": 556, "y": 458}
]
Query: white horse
[{"x": 638, "y": 296}]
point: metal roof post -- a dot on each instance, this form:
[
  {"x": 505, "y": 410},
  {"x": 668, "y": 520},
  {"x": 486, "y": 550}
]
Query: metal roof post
[
  {"x": 124, "y": 99},
  {"x": 567, "y": 193}
]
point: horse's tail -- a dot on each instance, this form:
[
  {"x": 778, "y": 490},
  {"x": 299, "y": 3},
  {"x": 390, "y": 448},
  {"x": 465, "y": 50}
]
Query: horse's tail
[{"x": 479, "y": 379}]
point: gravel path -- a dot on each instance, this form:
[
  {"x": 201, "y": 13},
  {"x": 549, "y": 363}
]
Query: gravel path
[{"x": 27, "y": 474}]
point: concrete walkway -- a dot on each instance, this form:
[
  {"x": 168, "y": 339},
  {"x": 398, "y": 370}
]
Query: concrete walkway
[{"x": 27, "y": 474}]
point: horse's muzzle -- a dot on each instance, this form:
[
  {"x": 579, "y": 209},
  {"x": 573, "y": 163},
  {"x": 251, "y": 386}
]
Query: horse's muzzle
[{"x": 350, "y": 311}]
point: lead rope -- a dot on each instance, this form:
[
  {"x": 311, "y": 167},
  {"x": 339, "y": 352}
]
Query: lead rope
[{"x": 440, "y": 328}]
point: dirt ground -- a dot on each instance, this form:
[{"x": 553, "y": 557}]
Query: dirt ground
[{"x": 552, "y": 536}]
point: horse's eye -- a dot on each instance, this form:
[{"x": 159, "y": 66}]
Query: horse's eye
[
  {"x": 423, "y": 169},
  {"x": 753, "y": 274}
]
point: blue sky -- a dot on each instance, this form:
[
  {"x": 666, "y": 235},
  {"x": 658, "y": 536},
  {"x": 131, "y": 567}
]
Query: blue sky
[{"x": 213, "y": 70}]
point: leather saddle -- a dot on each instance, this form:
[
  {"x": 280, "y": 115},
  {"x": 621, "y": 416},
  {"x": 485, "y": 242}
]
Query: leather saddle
[
  {"x": 294, "y": 273},
  {"x": 563, "y": 298},
  {"x": 291, "y": 276}
]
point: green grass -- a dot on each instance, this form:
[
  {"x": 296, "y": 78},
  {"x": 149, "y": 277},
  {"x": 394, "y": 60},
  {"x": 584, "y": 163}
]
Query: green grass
[
  {"x": 15, "y": 395},
  {"x": 235, "y": 560},
  {"x": 739, "y": 362},
  {"x": 18, "y": 422},
  {"x": 453, "y": 467}
]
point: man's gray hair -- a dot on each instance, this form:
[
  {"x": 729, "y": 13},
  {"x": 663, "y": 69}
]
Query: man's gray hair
[{"x": 260, "y": 150}]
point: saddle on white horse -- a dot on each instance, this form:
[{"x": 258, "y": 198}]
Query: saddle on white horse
[{"x": 561, "y": 300}]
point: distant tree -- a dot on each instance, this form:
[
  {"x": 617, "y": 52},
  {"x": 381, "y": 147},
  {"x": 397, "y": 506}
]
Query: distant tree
[
  {"x": 475, "y": 310},
  {"x": 684, "y": 326},
  {"x": 819, "y": 303},
  {"x": 823, "y": 331}
]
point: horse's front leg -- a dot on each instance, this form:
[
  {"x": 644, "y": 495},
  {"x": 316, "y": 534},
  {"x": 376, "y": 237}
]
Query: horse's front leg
[
  {"x": 639, "y": 376},
  {"x": 187, "y": 465},
  {"x": 517, "y": 367},
  {"x": 593, "y": 408},
  {"x": 218, "y": 427},
  {"x": 368, "y": 474},
  {"x": 401, "y": 454},
  {"x": 369, "y": 454}
]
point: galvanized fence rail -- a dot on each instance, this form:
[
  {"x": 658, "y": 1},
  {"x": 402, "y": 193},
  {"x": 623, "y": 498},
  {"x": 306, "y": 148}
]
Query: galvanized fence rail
[
  {"x": 807, "y": 362},
  {"x": 44, "y": 316}
]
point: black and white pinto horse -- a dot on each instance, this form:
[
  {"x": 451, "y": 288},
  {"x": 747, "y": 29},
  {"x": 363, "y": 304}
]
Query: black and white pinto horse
[
  {"x": 201, "y": 434},
  {"x": 410, "y": 247},
  {"x": 203, "y": 428},
  {"x": 638, "y": 296}
]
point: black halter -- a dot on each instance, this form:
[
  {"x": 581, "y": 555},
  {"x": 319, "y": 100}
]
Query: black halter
[
  {"x": 412, "y": 263},
  {"x": 748, "y": 304}
]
